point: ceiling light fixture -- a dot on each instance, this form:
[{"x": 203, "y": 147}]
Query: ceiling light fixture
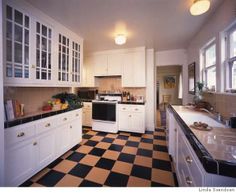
[
  {"x": 199, "y": 7},
  {"x": 120, "y": 39}
]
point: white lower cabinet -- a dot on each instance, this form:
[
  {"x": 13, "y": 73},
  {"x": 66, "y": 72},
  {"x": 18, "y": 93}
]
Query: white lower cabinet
[
  {"x": 20, "y": 161},
  {"x": 189, "y": 169},
  {"x": 131, "y": 118},
  {"x": 28, "y": 151}
]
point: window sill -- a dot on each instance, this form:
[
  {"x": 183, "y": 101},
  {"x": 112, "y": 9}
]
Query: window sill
[{"x": 220, "y": 93}]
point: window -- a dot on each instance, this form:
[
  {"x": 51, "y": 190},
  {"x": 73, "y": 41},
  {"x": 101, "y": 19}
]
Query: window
[
  {"x": 231, "y": 57},
  {"x": 209, "y": 66}
]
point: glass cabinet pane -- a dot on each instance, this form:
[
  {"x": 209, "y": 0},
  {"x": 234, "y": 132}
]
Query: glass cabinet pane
[
  {"x": 18, "y": 33},
  {"x": 17, "y": 43},
  {"x": 43, "y": 53},
  {"x": 18, "y": 17}
]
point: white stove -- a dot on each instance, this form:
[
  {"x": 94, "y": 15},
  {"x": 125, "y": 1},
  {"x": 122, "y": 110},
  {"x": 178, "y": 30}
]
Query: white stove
[{"x": 105, "y": 113}]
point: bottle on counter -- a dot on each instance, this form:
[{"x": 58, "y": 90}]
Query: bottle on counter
[{"x": 128, "y": 96}]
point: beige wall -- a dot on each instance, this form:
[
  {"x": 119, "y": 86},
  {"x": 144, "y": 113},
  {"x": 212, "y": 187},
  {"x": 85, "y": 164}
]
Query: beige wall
[
  {"x": 223, "y": 103},
  {"x": 113, "y": 84},
  {"x": 33, "y": 98},
  {"x": 164, "y": 71}
]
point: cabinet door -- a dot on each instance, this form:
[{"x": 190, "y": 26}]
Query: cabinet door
[
  {"x": 88, "y": 72},
  {"x": 124, "y": 121},
  {"x": 139, "y": 69},
  {"x": 75, "y": 132},
  {"x": 63, "y": 139},
  {"x": 17, "y": 45},
  {"x": 63, "y": 58},
  {"x": 43, "y": 52},
  {"x": 76, "y": 61},
  {"x": 46, "y": 148},
  {"x": 137, "y": 122},
  {"x": 20, "y": 162},
  {"x": 100, "y": 62},
  {"x": 114, "y": 64},
  {"x": 128, "y": 71}
]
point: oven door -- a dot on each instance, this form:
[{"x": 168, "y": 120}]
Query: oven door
[{"x": 104, "y": 111}]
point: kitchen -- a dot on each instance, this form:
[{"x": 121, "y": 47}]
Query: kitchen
[{"x": 78, "y": 105}]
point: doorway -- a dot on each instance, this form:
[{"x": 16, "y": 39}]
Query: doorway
[{"x": 168, "y": 90}]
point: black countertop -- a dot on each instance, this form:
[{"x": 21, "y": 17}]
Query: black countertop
[
  {"x": 131, "y": 103},
  {"x": 210, "y": 164},
  {"x": 35, "y": 117}
]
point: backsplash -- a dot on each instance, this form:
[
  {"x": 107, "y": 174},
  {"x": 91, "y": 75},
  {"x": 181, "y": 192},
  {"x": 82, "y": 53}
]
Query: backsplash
[
  {"x": 113, "y": 84},
  {"x": 32, "y": 97},
  {"x": 225, "y": 104}
]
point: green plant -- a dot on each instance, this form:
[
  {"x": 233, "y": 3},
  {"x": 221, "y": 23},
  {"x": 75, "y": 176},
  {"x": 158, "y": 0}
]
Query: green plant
[
  {"x": 72, "y": 99},
  {"x": 200, "y": 86}
]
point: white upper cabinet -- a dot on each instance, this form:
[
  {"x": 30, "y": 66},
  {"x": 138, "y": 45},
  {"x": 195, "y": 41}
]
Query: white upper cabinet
[
  {"x": 100, "y": 65},
  {"x": 38, "y": 51},
  {"x": 134, "y": 69},
  {"x": 88, "y": 73},
  {"x": 114, "y": 63}
]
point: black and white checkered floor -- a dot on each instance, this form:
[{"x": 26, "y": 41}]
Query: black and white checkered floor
[{"x": 113, "y": 160}]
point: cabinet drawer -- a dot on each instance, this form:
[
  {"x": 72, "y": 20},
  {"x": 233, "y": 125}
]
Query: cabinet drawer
[
  {"x": 125, "y": 108},
  {"x": 65, "y": 118},
  {"x": 46, "y": 124},
  {"x": 87, "y": 105},
  {"x": 19, "y": 133},
  {"x": 137, "y": 108},
  {"x": 192, "y": 164}
]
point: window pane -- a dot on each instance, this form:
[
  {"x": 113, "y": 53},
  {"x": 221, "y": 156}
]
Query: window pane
[
  {"x": 211, "y": 78},
  {"x": 233, "y": 44},
  {"x": 211, "y": 56},
  {"x": 27, "y": 21},
  {"x": 18, "y": 17},
  {"x": 9, "y": 13},
  {"x": 18, "y": 33},
  {"x": 234, "y": 75}
]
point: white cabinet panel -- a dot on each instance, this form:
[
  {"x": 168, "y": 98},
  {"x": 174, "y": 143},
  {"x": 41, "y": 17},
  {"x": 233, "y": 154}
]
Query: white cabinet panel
[
  {"x": 20, "y": 162},
  {"x": 88, "y": 72},
  {"x": 46, "y": 148},
  {"x": 137, "y": 122},
  {"x": 114, "y": 64},
  {"x": 128, "y": 71},
  {"x": 87, "y": 114},
  {"x": 100, "y": 65},
  {"x": 124, "y": 121}
]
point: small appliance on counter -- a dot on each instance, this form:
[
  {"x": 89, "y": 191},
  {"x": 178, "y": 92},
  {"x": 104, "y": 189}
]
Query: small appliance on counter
[{"x": 87, "y": 95}]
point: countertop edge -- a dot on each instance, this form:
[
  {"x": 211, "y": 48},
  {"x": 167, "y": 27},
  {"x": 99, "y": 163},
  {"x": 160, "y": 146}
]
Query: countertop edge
[{"x": 210, "y": 164}]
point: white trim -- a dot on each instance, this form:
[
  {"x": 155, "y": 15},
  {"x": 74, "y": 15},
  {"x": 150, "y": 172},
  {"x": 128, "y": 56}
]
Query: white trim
[{"x": 1, "y": 106}]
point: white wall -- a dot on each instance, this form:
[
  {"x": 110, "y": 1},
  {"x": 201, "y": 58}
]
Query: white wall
[
  {"x": 1, "y": 107},
  {"x": 175, "y": 57},
  {"x": 150, "y": 90},
  {"x": 218, "y": 22}
]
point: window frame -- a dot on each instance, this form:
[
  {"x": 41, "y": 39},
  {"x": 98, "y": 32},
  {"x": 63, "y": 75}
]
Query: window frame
[
  {"x": 229, "y": 60},
  {"x": 204, "y": 68}
]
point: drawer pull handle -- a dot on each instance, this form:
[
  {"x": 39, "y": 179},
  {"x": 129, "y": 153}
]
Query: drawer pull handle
[
  {"x": 70, "y": 127},
  {"x": 48, "y": 125},
  {"x": 65, "y": 119},
  {"x": 188, "y": 181},
  {"x": 35, "y": 143},
  {"x": 136, "y": 109},
  {"x": 21, "y": 134},
  {"x": 188, "y": 159}
]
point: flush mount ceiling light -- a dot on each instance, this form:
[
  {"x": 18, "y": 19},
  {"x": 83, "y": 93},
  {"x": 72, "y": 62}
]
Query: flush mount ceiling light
[
  {"x": 199, "y": 7},
  {"x": 120, "y": 39}
]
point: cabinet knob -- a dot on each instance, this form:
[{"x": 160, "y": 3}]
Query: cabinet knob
[
  {"x": 21, "y": 134},
  {"x": 35, "y": 143},
  {"x": 65, "y": 119},
  {"x": 188, "y": 159},
  {"x": 77, "y": 115},
  {"x": 33, "y": 66},
  {"x": 175, "y": 130},
  {"x": 48, "y": 125},
  {"x": 123, "y": 108},
  {"x": 130, "y": 116},
  {"x": 70, "y": 126},
  {"x": 136, "y": 109},
  {"x": 188, "y": 180}
]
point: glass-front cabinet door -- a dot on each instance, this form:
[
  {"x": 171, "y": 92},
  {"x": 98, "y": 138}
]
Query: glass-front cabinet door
[
  {"x": 75, "y": 62},
  {"x": 43, "y": 52},
  {"x": 17, "y": 44},
  {"x": 63, "y": 58}
]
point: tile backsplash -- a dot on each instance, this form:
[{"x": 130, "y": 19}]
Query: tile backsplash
[
  {"x": 33, "y": 98},
  {"x": 113, "y": 84},
  {"x": 225, "y": 104}
]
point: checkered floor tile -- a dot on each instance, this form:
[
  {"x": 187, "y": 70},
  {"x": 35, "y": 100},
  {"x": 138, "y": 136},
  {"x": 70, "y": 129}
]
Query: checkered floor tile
[{"x": 115, "y": 160}]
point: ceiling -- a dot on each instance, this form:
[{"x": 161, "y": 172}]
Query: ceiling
[{"x": 158, "y": 24}]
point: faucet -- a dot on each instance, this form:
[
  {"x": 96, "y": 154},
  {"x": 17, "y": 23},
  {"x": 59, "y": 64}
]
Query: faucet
[{"x": 216, "y": 116}]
